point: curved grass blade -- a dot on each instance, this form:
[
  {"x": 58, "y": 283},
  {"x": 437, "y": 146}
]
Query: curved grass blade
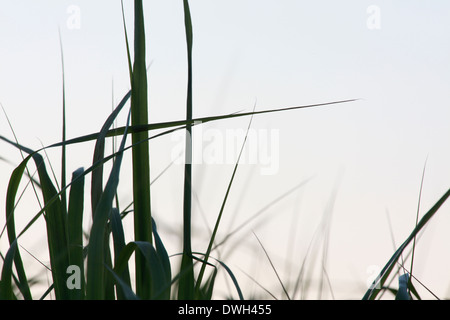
[
  {"x": 56, "y": 220},
  {"x": 55, "y": 217},
  {"x": 230, "y": 274},
  {"x": 6, "y": 291},
  {"x": 124, "y": 288},
  {"x": 153, "y": 266},
  {"x": 206, "y": 291},
  {"x": 11, "y": 229},
  {"x": 96, "y": 255},
  {"x": 32, "y": 181},
  {"x": 163, "y": 257},
  {"x": 373, "y": 291},
  {"x": 99, "y": 150}
]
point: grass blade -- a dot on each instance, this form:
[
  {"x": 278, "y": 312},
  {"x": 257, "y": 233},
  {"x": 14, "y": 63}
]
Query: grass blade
[
  {"x": 177, "y": 125},
  {"x": 125, "y": 288},
  {"x": 11, "y": 193},
  {"x": 97, "y": 174},
  {"x": 153, "y": 267},
  {"x": 130, "y": 68},
  {"x": 75, "y": 228},
  {"x": 186, "y": 282},
  {"x": 55, "y": 217},
  {"x": 6, "y": 291},
  {"x": 163, "y": 257},
  {"x": 373, "y": 291},
  {"x": 273, "y": 267},
  {"x": 63, "y": 147},
  {"x": 119, "y": 244},
  {"x": 140, "y": 152},
  {"x": 96, "y": 254},
  {"x": 206, "y": 291},
  {"x": 417, "y": 220},
  {"x": 56, "y": 220},
  {"x": 230, "y": 274}
]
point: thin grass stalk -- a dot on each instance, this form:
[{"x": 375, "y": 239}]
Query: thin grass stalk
[
  {"x": 186, "y": 282},
  {"x": 273, "y": 267},
  {"x": 63, "y": 147},
  {"x": 140, "y": 153},
  {"x": 417, "y": 220},
  {"x": 130, "y": 67},
  {"x": 219, "y": 217}
]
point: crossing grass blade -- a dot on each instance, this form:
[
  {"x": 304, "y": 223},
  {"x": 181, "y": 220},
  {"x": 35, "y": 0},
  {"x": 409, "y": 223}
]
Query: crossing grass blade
[
  {"x": 181, "y": 124},
  {"x": 229, "y": 272},
  {"x": 124, "y": 289},
  {"x": 186, "y": 282},
  {"x": 378, "y": 283},
  {"x": 175, "y": 125},
  {"x": 11, "y": 229},
  {"x": 56, "y": 220}
]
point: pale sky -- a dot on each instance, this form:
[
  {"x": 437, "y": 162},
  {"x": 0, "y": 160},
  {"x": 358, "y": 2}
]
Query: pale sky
[{"x": 392, "y": 56}]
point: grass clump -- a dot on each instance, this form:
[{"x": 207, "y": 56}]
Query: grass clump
[{"x": 102, "y": 265}]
